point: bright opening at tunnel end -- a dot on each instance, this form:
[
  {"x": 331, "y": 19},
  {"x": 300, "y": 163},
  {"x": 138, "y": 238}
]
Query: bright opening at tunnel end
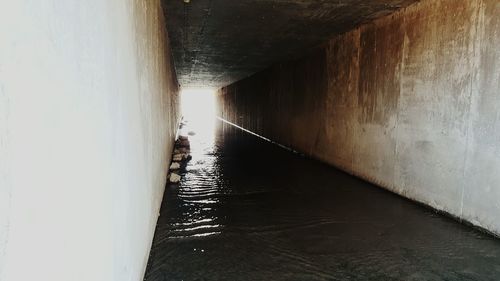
[
  {"x": 199, "y": 110},
  {"x": 198, "y": 103}
]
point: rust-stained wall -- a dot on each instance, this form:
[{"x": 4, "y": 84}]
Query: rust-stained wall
[{"x": 410, "y": 102}]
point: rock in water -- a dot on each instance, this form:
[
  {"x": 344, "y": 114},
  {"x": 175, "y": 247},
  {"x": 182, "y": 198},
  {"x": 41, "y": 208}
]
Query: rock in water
[
  {"x": 191, "y": 133},
  {"x": 177, "y": 157},
  {"x": 182, "y": 143},
  {"x": 174, "y": 178},
  {"x": 175, "y": 166}
]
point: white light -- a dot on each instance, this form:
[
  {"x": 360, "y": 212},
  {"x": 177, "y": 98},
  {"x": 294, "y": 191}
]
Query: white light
[
  {"x": 198, "y": 109},
  {"x": 198, "y": 103}
]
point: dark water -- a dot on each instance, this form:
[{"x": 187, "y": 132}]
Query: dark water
[{"x": 249, "y": 210}]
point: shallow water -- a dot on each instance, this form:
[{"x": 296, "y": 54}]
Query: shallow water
[{"x": 249, "y": 210}]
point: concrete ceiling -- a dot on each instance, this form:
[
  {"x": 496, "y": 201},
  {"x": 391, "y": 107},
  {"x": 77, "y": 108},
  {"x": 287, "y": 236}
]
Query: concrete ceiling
[{"x": 217, "y": 42}]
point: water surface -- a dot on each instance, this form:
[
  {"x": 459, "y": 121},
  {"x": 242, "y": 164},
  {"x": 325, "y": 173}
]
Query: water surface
[{"x": 249, "y": 210}]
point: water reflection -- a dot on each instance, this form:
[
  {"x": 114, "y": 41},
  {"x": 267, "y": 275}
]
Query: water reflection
[
  {"x": 195, "y": 199},
  {"x": 248, "y": 210}
]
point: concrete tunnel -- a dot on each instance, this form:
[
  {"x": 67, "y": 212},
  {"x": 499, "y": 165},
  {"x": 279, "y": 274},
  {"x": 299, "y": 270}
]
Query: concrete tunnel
[{"x": 348, "y": 140}]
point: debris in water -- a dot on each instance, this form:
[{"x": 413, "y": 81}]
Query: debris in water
[
  {"x": 174, "y": 178},
  {"x": 180, "y": 157},
  {"x": 183, "y": 143},
  {"x": 175, "y": 166}
]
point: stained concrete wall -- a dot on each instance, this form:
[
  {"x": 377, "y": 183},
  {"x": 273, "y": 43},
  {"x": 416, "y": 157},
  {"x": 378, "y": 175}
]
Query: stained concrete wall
[
  {"x": 88, "y": 115},
  {"x": 410, "y": 101}
]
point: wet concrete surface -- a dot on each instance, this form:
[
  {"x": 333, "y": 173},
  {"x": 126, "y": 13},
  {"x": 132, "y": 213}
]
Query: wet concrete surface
[{"x": 249, "y": 210}]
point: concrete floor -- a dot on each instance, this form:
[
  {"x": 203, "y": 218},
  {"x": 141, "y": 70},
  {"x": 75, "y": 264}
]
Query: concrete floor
[{"x": 249, "y": 210}]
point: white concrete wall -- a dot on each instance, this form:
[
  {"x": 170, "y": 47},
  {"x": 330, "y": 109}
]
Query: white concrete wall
[{"x": 88, "y": 114}]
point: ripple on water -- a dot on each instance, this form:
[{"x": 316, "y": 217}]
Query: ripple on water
[{"x": 247, "y": 210}]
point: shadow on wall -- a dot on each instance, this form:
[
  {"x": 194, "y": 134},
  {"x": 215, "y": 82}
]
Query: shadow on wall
[{"x": 409, "y": 101}]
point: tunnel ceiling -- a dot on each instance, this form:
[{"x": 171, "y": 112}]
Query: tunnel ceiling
[{"x": 217, "y": 42}]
